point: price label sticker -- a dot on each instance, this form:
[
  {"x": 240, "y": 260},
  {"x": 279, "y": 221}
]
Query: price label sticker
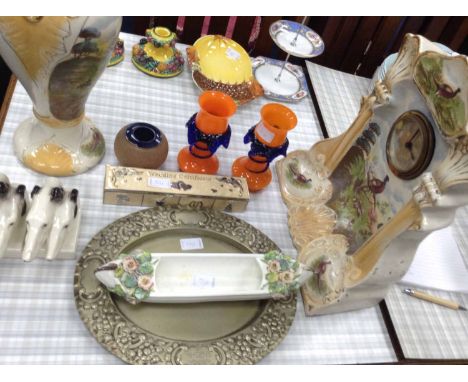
[
  {"x": 203, "y": 281},
  {"x": 264, "y": 133},
  {"x": 191, "y": 244},
  {"x": 232, "y": 54},
  {"x": 159, "y": 182}
]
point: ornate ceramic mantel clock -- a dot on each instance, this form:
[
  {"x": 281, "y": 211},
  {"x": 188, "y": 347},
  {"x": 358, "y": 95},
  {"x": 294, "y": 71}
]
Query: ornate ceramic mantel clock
[{"x": 359, "y": 204}]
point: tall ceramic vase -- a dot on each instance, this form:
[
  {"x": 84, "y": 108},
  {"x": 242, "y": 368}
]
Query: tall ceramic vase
[{"x": 58, "y": 60}]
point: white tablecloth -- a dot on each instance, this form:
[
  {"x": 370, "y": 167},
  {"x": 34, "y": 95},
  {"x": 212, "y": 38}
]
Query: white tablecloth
[{"x": 38, "y": 320}]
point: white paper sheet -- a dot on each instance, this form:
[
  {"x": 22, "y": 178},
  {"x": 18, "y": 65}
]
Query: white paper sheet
[{"x": 438, "y": 264}]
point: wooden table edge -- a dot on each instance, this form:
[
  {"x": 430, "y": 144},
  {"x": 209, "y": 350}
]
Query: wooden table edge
[{"x": 7, "y": 100}]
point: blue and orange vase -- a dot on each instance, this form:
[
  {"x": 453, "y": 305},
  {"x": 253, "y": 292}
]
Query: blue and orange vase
[
  {"x": 267, "y": 141},
  {"x": 207, "y": 131}
]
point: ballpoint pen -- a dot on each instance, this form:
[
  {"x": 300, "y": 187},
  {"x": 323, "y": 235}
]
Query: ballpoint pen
[{"x": 433, "y": 299}]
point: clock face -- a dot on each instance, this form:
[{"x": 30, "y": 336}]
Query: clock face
[{"x": 410, "y": 145}]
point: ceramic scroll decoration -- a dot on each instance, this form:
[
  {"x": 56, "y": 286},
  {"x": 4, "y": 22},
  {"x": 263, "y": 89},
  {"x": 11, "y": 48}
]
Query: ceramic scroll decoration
[
  {"x": 207, "y": 130},
  {"x": 118, "y": 54},
  {"x": 141, "y": 145},
  {"x": 157, "y": 55},
  {"x": 219, "y": 63},
  {"x": 201, "y": 277},
  {"x": 14, "y": 203},
  {"x": 267, "y": 141},
  {"x": 58, "y": 60},
  {"x": 360, "y": 204}
]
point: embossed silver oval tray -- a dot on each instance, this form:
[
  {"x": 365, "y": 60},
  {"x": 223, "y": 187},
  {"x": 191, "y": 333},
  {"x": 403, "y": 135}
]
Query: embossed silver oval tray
[{"x": 240, "y": 332}]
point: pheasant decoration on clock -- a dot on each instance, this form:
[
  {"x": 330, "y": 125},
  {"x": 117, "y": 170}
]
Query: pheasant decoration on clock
[{"x": 360, "y": 204}]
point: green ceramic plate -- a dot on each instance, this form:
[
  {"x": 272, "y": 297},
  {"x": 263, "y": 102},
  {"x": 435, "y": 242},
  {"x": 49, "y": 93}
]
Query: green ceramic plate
[{"x": 240, "y": 332}]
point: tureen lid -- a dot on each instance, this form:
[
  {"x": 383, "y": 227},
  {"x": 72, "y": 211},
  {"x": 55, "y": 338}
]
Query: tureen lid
[{"x": 223, "y": 60}]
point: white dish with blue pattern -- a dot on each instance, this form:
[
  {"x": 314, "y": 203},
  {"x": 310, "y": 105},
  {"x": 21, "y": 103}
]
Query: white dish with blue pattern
[
  {"x": 291, "y": 88},
  {"x": 296, "y": 39}
]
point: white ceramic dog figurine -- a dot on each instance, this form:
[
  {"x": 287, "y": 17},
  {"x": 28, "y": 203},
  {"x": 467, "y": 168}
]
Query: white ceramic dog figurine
[
  {"x": 13, "y": 208},
  {"x": 53, "y": 210},
  {"x": 65, "y": 216}
]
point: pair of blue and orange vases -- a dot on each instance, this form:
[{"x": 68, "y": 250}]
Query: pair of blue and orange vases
[{"x": 209, "y": 128}]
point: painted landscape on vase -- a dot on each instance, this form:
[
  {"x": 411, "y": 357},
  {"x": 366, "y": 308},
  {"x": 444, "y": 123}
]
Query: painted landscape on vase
[{"x": 72, "y": 79}]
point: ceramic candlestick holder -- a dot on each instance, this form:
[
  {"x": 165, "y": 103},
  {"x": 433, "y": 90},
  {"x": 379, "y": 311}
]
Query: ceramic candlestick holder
[
  {"x": 267, "y": 141},
  {"x": 156, "y": 54},
  {"x": 207, "y": 130}
]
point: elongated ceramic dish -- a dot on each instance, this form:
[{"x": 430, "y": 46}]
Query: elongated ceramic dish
[
  {"x": 200, "y": 277},
  {"x": 236, "y": 332}
]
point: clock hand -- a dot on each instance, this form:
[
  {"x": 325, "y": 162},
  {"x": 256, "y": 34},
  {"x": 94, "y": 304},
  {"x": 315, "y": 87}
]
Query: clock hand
[
  {"x": 409, "y": 146},
  {"x": 413, "y": 136},
  {"x": 409, "y": 143}
]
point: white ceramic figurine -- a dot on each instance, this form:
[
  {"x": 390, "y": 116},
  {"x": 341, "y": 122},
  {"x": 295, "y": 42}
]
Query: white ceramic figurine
[
  {"x": 13, "y": 208},
  {"x": 65, "y": 216},
  {"x": 51, "y": 216}
]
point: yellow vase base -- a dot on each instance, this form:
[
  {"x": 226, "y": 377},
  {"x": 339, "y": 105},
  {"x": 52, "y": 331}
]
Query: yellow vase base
[{"x": 50, "y": 159}]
